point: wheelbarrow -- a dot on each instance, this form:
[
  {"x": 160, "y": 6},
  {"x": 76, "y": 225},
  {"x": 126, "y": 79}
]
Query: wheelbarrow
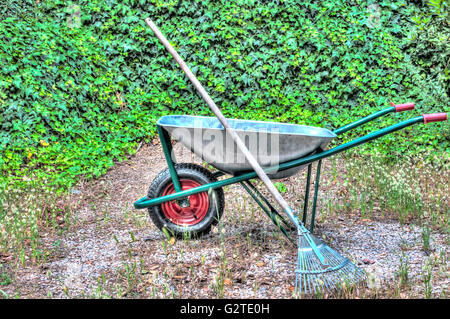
[{"x": 188, "y": 199}]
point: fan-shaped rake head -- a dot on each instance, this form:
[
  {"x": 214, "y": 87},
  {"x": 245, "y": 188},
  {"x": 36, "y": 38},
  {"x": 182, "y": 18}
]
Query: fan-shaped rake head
[{"x": 321, "y": 268}]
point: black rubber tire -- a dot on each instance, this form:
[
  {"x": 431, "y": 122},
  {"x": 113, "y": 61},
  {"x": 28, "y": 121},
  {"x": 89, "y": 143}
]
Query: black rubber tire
[{"x": 201, "y": 176}]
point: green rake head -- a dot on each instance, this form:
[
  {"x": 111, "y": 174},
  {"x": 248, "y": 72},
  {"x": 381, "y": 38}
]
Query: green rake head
[{"x": 321, "y": 268}]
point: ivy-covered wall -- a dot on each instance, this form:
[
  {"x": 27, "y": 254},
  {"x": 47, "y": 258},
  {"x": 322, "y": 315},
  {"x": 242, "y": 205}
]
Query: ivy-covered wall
[{"x": 83, "y": 82}]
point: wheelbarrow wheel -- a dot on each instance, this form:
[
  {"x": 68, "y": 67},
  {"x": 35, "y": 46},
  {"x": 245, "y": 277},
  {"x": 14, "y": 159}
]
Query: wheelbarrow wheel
[{"x": 193, "y": 216}]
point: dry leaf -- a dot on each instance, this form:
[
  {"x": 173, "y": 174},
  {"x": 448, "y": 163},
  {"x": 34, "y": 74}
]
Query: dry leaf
[
  {"x": 120, "y": 99},
  {"x": 43, "y": 143},
  {"x": 5, "y": 258}
]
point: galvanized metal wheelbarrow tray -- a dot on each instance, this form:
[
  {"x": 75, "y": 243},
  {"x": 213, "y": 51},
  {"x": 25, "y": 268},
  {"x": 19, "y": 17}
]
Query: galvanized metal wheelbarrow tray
[{"x": 188, "y": 199}]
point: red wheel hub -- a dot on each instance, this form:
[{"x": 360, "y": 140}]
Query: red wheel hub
[{"x": 190, "y": 215}]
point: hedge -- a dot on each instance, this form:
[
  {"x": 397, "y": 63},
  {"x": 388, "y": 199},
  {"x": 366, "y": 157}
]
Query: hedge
[{"x": 82, "y": 83}]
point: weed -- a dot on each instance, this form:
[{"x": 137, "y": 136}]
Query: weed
[
  {"x": 282, "y": 188},
  {"x": 4, "y": 294},
  {"x": 27, "y": 208},
  {"x": 426, "y": 231},
  {"x": 426, "y": 275},
  {"x": 403, "y": 271},
  {"x": 5, "y": 278}
]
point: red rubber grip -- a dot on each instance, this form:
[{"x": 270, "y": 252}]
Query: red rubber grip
[
  {"x": 436, "y": 117},
  {"x": 403, "y": 107}
]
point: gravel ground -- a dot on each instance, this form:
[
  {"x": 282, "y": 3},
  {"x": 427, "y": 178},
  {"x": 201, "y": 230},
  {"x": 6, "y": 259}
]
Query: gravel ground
[
  {"x": 378, "y": 248},
  {"x": 112, "y": 250}
]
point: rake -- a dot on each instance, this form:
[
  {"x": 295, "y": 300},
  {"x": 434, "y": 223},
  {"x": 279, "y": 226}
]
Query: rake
[{"x": 319, "y": 267}]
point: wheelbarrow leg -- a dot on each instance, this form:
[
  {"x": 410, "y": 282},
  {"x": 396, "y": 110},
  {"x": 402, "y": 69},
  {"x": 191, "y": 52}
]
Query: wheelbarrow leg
[
  {"x": 170, "y": 157},
  {"x": 270, "y": 211},
  {"x": 305, "y": 205},
  {"x": 316, "y": 191}
]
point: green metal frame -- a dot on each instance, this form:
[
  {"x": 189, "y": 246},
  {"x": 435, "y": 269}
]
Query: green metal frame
[
  {"x": 306, "y": 201},
  {"x": 244, "y": 179},
  {"x": 364, "y": 120},
  {"x": 338, "y": 131},
  {"x": 169, "y": 155},
  {"x": 270, "y": 211}
]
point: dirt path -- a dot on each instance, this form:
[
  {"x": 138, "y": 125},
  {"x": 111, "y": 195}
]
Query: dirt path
[{"x": 113, "y": 250}]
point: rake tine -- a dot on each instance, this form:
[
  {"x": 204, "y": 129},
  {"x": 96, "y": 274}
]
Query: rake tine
[
  {"x": 306, "y": 234},
  {"x": 311, "y": 275}
]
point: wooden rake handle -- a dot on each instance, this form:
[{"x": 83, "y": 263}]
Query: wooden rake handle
[{"x": 251, "y": 159}]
